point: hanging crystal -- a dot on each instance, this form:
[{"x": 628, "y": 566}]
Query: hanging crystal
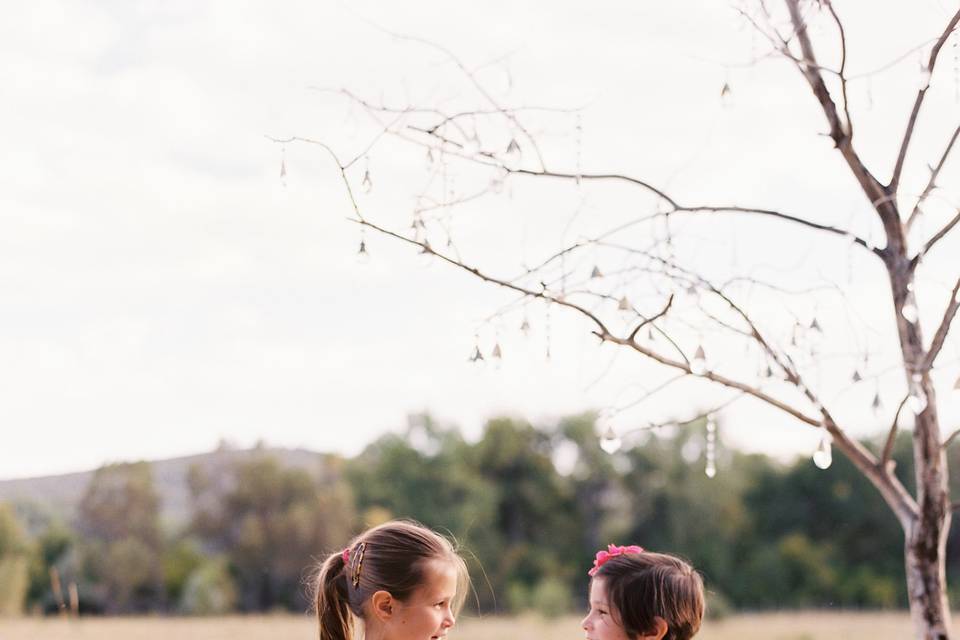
[
  {"x": 512, "y": 153},
  {"x": 547, "y": 332},
  {"x": 815, "y": 326},
  {"x": 726, "y": 95},
  {"x": 923, "y": 81},
  {"x": 768, "y": 372},
  {"x": 650, "y": 338},
  {"x": 856, "y": 377},
  {"x": 956, "y": 68},
  {"x": 956, "y": 385},
  {"x": 578, "y": 129},
  {"x": 596, "y": 272},
  {"x": 698, "y": 366},
  {"x": 471, "y": 146},
  {"x": 496, "y": 184},
  {"x": 823, "y": 456},
  {"x": 363, "y": 256},
  {"x": 917, "y": 398},
  {"x": 711, "y": 453},
  {"x": 497, "y": 353},
  {"x": 477, "y": 356},
  {"x": 876, "y": 405},
  {"x": 610, "y": 441},
  {"x": 624, "y": 306},
  {"x": 430, "y": 159},
  {"x": 525, "y": 326},
  {"x": 367, "y": 183},
  {"x": 283, "y": 166},
  {"x": 909, "y": 308}
]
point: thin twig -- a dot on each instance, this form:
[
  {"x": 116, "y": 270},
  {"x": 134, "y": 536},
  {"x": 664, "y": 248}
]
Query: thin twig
[{"x": 918, "y": 102}]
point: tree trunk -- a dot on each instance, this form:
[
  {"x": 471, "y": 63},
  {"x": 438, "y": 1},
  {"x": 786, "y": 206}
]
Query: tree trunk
[
  {"x": 926, "y": 532},
  {"x": 927, "y": 581}
]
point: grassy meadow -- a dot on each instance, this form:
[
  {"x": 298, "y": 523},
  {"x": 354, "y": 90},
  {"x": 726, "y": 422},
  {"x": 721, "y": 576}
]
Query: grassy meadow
[{"x": 813, "y": 625}]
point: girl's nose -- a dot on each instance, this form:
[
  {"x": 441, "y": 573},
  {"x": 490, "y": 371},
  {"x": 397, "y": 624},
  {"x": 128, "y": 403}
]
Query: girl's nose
[{"x": 583, "y": 623}]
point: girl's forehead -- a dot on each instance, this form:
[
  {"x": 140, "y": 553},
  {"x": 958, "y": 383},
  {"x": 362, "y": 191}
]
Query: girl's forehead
[
  {"x": 598, "y": 591},
  {"x": 439, "y": 576}
]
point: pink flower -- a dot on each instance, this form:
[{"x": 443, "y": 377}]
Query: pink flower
[{"x": 611, "y": 552}]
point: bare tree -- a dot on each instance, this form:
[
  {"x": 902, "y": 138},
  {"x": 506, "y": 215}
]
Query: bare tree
[{"x": 673, "y": 310}]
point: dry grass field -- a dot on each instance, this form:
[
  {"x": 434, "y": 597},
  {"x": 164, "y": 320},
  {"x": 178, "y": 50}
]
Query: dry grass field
[{"x": 812, "y": 625}]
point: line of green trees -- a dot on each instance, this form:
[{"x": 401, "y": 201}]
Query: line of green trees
[{"x": 764, "y": 535}]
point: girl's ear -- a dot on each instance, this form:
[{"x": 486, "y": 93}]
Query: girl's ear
[
  {"x": 659, "y": 630},
  {"x": 382, "y": 605}
]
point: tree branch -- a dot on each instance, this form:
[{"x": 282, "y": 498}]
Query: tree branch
[
  {"x": 918, "y": 102},
  {"x": 950, "y": 438},
  {"x": 843, "y": 65},
  {"x": 878, "y": 195},
  {"x": 941, "y": 335},
  {"x": 934, "y": 173},
  {"x": 936, "y": 238},
  {"x": 663, "y": 312},
  {"x": 892, "y": 435}
]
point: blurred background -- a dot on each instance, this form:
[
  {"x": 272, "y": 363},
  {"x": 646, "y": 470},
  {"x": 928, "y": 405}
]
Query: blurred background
[{"x": 241, "y": 530}]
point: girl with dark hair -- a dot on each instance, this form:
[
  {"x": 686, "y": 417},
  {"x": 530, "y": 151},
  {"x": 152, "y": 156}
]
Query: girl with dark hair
[
  {"x": 396, "y": 581},
  {"x": 638, "y": 595}
]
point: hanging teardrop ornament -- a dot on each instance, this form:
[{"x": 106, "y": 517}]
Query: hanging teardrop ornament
[
  {"x": 610, "y": 442},
  {"x": 823, "y": 456},
  {"x": 698, "y": 365}
]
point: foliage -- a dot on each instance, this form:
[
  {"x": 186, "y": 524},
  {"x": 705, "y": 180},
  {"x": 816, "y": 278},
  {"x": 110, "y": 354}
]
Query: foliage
[
  {"x": 765, "y": 535},
  {"x": 269, "y": 522},
  {"x": 118, "y": 521},
  {"x": 15, "y": 554}
]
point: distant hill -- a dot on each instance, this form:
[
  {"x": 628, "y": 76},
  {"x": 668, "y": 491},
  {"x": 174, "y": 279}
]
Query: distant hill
[{"x": 59, "y": 495}]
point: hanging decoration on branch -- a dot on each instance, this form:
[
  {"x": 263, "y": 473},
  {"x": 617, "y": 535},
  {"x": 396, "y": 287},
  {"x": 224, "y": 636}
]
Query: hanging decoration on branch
[
  {"x": 477, "y": 355},
  {"x": 909, "y": 308},
  {"x": 578, "y": 131},
  {"x": 471, "y": 146},
  {"x": 366, "y": 184},
  {"x": 610, "y": 441},
  {"x": 823, "y": 456},
  {"x": 711, "y": 454},
  {"x": 512, "y": 154},
  {"x": 726, "y": 95},
  {"x": 698, "y": 365},
  {"x": 917, "y": 398},
  {"x": 363, "y": 256},
  {"x": 877, "y": 404}
]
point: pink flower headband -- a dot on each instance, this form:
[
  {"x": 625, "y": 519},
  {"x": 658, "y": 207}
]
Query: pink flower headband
[{"x": 612, "y": 552}]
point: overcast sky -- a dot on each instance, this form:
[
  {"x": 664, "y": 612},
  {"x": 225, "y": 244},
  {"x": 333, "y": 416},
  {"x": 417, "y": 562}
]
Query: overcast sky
[{"x": 161, "y": 288}]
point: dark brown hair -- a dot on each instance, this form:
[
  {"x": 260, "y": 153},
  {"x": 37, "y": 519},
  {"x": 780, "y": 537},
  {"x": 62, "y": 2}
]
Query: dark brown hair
[
  {"x": 389, "y": 557},
  {"x": 643, "y": 586}
]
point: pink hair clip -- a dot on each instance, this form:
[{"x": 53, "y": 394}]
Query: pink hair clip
[
  {"x": 612, "y": 552},
  {"x": 346, "y": 555}
]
